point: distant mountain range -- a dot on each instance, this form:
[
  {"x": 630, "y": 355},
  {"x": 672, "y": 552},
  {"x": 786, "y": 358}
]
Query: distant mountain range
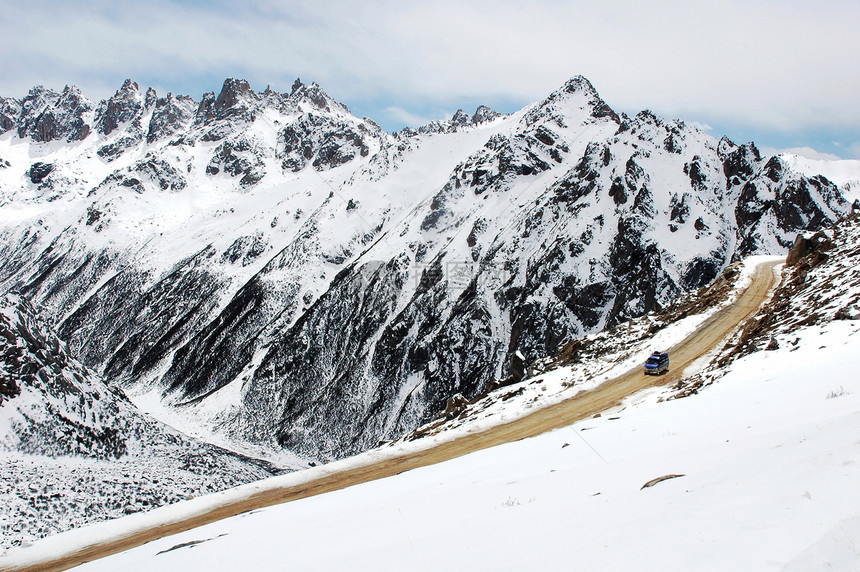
[{"x": 277, "y": 272}]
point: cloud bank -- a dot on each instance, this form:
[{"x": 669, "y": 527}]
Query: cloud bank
[{"x": 770, "y": 65}]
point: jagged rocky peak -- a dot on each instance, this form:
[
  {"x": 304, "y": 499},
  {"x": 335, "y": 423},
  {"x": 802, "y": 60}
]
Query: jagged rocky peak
[
  {"x": 773, "y": 169},
  {"x": 123, "y": 107},
  {"x": 47, "y": 115},
  {"x": 171, "y": 115},
  {"x": 579, "y": 83},
  {"x": 323, "y": 134},
  {"x": 484, "y": 114},
  {"x": 232, "y": 102},
  {"x": 37, "y": 100},
  {"x": 232, "y": 92},
  {"x": 10, "y": 110},
  {"x": 316, "y": 96},
  {"x": 461, "y": 118},
  {"x": 150, "y": 98},
  {"x": 740, "y": 162},
  {"x": 577, "y": 92}
]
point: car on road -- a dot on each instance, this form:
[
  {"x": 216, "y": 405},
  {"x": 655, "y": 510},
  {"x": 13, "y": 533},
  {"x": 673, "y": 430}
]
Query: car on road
[{"x": 656, "y": 364}]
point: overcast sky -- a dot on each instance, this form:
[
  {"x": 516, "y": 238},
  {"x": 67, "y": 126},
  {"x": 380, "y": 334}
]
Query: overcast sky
[{"x": 782, "y": 73}]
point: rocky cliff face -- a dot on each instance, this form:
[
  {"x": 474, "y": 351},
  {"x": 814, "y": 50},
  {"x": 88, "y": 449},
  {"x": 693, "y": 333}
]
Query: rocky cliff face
[
  {"x": 294, "y": 276},
  {"x": 97, "y": 456},
  {"x": 52, "y": 405}
]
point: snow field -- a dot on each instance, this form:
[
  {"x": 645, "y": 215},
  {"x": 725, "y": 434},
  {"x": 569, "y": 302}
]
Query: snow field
[{"x": 770, "y": 459}]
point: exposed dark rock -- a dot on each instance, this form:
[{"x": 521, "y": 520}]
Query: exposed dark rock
[
  {"x": 478, "y": 228},
  {"x": 517, "y": 366},
  {"x": 35, "y": 103},
  {"x": 163, "y": 174},
  {"x": 113, "y": 150},
  {"x": 232, "y": 103},
  {"x": 321, "y": 141},
  {"x": 739, "y": 163},
  {"x": 38, "y": 172},
  {"x": 773, "y": 169},
  {"x": 672, "y": 144},
  {"x": 93, "y": 215},
  {"x": 10, "y": 111},
  {"x": 238, "y": 158},
  {"x": 484, "y": 114},
  {"x": 803, "y": 247},
  {"x": 461, "y": 118},
  {"x": 680, "y": 211},
  {"x": 123, "y": 107},
  {"x": 48, "y": 116},
  {"x": 231, "y": 94},
  {"x": 170, "y": 116},
  {"x": 698, "y": 176},
  {"x": 455, "y": 405}
]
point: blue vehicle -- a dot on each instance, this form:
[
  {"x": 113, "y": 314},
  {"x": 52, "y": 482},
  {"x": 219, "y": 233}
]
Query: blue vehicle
[{"x": 656, "y": 364}]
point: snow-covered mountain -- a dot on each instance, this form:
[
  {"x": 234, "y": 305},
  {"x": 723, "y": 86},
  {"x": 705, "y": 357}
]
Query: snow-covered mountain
[
  {"x": 74, "y": 450},
  {"x": 269, "y": 267},
  {"x": 845, "y": 173},
  {"x": 750, "y": 464}
]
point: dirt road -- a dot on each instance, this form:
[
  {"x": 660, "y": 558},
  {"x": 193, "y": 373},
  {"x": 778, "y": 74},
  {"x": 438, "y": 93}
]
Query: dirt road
[{"x": 584, "y": 405}]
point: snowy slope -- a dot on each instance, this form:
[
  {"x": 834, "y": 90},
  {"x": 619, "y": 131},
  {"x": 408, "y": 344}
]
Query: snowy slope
[
  {"x": 75, "y": 451},
  {"x": 770, "y": 470},
  {"x": 764, "y": 464},
  {"x": 275, "y": 273},
  {"x": 845, "y": 173}
]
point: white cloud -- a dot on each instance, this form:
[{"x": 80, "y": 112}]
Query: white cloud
[
  {"x": 807, "y": 152},
  {"x": 700, "y": 126},
  {"x": 783, "y": 65},
  {"x": 412, "y": 119}
]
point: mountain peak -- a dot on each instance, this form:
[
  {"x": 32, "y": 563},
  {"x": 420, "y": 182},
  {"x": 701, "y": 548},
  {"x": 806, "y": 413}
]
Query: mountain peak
[
  {"x": 579, "y": 83},
  {"x": 231, "y": 93},
  {"x": 461, "y": 118},
  {"x": 484, "y": 113},
  {"x": 315, "y": 95},
  {"x": 47, "y": 115},
  {"x": 576, "y": 92},
  {"x": 10, "y": 109},
  {"x": 128, "y": 86},
  {"x": 122, "y": 107}
]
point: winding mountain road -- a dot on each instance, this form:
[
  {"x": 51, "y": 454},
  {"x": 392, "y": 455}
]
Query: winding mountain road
[{"x": 326, "y": 479}]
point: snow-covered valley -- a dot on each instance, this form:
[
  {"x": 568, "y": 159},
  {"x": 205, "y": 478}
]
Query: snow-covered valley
[
  {"x": 190, "y": 286},
  {"x": 755, "y": 469}
]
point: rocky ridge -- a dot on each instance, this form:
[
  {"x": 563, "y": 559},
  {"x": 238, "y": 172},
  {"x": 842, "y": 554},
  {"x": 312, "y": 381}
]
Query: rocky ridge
[
  {"x": 74, "y": 450},
  {"x": 301, "y": 279}
]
